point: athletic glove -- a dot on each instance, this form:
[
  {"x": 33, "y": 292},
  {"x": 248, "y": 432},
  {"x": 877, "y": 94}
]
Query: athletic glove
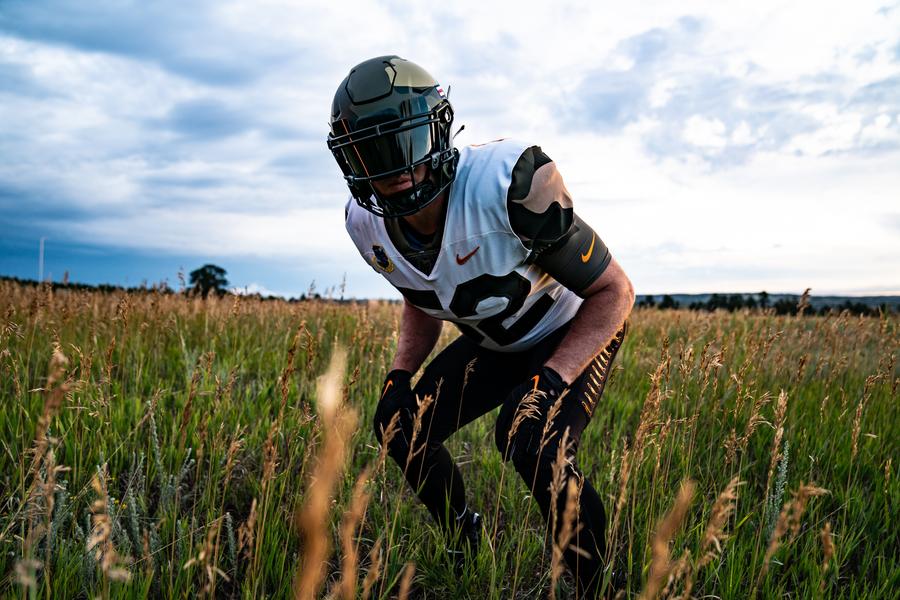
[
  {"x": 535, "y": 397},
  {"x": 396, "y": 397}
]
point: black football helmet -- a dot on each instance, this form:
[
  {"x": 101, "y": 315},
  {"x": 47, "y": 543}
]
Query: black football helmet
[{"x": 388, "y": 117}]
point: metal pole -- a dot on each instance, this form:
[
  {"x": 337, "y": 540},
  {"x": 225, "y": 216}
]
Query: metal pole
[{"x": 41, "y": 262}]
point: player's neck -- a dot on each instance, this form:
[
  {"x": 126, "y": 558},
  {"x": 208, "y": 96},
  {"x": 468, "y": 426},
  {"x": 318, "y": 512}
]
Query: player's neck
[{"x": 428, "y": 220}]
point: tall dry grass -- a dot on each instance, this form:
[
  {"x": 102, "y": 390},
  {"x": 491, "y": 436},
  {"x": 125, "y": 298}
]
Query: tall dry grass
[{"x": 207, "y": 418}]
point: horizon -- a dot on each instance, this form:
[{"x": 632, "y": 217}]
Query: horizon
[
  {"x": 713, "y": 148},
  {"x": 146, "y": 283}
]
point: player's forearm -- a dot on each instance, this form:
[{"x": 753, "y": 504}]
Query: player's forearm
[
  {"x": 598, "y": 319},
  {"x": 418, "y": 335}
]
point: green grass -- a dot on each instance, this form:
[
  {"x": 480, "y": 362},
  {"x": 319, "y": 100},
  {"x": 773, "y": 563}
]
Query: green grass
[{"x": 162, "y": 390}]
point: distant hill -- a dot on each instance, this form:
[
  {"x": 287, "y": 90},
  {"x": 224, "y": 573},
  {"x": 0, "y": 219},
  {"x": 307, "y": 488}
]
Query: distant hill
[{"x": 816, "y": 302}]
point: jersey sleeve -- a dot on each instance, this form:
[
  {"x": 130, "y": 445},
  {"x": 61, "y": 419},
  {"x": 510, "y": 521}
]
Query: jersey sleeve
[{"x": 542, "y": 216}]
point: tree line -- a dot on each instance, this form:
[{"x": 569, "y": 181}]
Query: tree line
[
  {"x": 204, "y": 281},
  {"x": 762, "y": 301}
]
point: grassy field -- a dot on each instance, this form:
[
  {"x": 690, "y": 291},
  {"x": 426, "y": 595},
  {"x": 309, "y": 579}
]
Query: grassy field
[{"x": 158, "y": 446}]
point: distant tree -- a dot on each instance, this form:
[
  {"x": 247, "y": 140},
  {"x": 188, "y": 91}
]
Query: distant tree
[
  {"x": 764, "y": 299},
  {"x": 784, "y": 306},
  {"x": 647, "y": 301},
  {"x": 715, "y": 301},
  {"x": 668, "y": 302},
  {"x": 208, "y": 278},
  {"x": 734, "y": 302}
]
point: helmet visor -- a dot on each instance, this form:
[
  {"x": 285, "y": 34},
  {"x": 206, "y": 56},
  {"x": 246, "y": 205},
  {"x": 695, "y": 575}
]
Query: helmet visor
[{"x": 390, "y": 148}]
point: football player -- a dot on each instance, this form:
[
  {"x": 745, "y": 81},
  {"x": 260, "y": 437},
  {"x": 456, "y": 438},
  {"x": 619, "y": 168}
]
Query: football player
[{"x": 485, "y": 237}]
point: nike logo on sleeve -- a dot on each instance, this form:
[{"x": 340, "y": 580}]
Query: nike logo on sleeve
[{"x": 587, "y": 257}]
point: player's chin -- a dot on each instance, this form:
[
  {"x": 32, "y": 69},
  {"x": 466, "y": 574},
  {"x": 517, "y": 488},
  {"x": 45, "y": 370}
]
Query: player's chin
[{"x": 393, "y": 189}]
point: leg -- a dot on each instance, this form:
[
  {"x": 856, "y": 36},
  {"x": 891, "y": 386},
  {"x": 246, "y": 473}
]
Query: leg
[
  {"x": 537, "y": 472},
  {"x": 464, "y": 381}
]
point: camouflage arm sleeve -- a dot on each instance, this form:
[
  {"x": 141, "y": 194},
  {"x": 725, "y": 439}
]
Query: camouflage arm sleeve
[{"x": 541, "y": 214}]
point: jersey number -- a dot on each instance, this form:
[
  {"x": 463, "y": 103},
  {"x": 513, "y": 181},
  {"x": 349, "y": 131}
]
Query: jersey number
[{"x": 470, "y": 294}]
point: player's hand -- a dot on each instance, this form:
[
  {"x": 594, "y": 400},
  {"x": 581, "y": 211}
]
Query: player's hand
[
  {"x": 532, "y": 398},
  {"x": 396, "y": 397}
]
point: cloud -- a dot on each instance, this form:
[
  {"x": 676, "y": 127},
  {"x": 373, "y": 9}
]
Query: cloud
[
  {"x": 18, "y": 80},
  {"x": 197, "y": 130},
  {"x": 884, "y": 92},
  {"x": 685, "y": 101},
  {"x": 204, "y": 119},
  {"x": 161, "y": 32},
  {"x": 256, "y": 288}
]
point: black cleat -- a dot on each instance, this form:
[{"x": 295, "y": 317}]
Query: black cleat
[{"x": 466, "y": 540}]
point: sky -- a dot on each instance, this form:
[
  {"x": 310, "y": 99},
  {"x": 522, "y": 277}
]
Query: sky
[{"x": 715, "y": 147}]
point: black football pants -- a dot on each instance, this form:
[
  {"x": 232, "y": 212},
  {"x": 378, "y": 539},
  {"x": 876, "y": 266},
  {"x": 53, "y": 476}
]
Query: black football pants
[{"x": 466, "y": 382}]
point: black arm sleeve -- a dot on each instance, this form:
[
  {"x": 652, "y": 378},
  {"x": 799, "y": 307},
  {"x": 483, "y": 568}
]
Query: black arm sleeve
[{"x": 577, "y": 259}]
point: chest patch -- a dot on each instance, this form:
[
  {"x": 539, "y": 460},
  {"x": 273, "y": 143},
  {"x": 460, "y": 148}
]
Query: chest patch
[{"x": 380, "y": 259}]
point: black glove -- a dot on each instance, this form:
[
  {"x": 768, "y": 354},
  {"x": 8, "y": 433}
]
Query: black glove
[
  {"x": 527, "y": 439},
  {"x": 396, "y": 397}
]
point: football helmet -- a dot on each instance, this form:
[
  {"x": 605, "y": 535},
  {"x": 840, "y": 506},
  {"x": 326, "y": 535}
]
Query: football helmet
[{"x": 388, "y": 117}]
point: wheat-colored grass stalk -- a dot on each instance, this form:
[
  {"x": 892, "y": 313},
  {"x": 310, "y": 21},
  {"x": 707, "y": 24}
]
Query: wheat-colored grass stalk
[
  {"x": 100, "y": 542},
  {"x": 237, "y": 442},
  {"x": 714, "y": 535},
  {"x": 206, "y": 559},
  {"x": 649, "y": 413},
  {"x": 41, "y": 494},
  {"x": 661, "y": 565},
  {"x": 803, "y": 303},
  {"x": 359, "y": 501},
  {"x": 560, "y": 541},
  {"x": 406, "y": 580},
  {"x": 827, "y": 551},
  {"x": 55, "y": 393},
  {"x": 526, "y": 409},
  {"x": 682, "y": 570},
  {"x": 738, "y": 444},
  {"x": 423, "y": 405},
  {"x": 247, "y": 533},
  {"x": 857, "y": 424},
  {"x": 312, "y": 518},
  {"x": 373, "y": 573}
]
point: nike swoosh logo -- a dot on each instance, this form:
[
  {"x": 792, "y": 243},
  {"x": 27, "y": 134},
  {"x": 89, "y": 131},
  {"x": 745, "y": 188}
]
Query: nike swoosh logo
[
  {"x": 587, "y": 257},
  {"x": 464, "y": 259},
  {"x": 387, "y": 387}
]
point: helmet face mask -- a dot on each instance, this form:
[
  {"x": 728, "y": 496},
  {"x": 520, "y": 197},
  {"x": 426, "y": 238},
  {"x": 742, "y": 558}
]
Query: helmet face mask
[{"x": 389, "y": 116}]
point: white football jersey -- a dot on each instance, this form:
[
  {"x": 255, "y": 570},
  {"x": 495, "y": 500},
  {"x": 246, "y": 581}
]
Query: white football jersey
[{"x": 480, "y": 279}]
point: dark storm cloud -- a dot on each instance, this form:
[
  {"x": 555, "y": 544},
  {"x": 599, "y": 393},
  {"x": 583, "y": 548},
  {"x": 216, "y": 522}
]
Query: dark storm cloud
[
  {"x": 160, "y": 32},
  {"x": 31, "y": 210}
]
